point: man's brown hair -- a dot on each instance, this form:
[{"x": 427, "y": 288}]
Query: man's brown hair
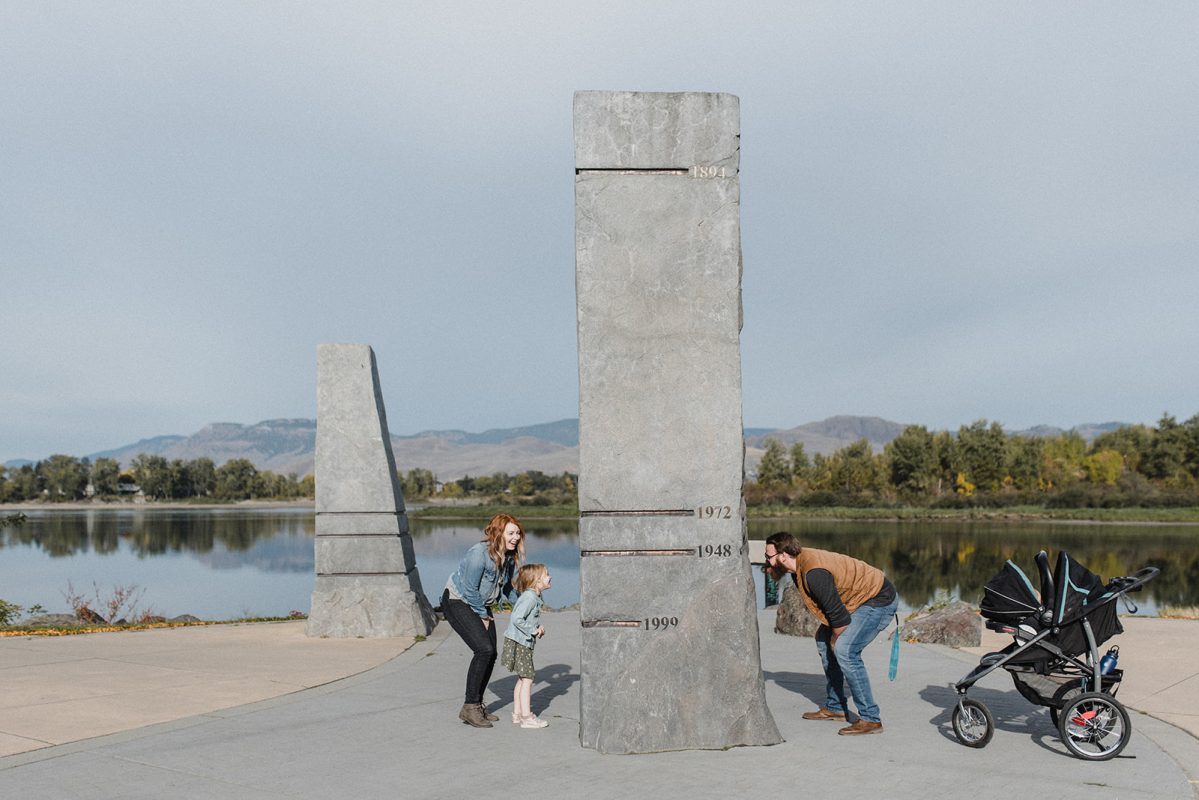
[{"x": 784, "y": 542}]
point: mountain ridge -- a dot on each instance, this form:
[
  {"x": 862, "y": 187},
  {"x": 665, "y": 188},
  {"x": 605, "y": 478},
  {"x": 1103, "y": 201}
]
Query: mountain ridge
[{"x": 287, "y": 445}]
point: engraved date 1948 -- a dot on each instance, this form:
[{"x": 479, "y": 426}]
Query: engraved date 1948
[{"x": 714, "y": 550}]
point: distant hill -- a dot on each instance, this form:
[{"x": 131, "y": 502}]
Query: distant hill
[
  {"x": 564, "y": 432},
  {"x": 288, "y": 445},
  {"x": 1088, "y": 431},
  {"x": 280, "y": 445},
  {"x": 831, "y": 434}
]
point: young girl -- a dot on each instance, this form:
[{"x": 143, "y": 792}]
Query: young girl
[{"x": 523, "y": 632}]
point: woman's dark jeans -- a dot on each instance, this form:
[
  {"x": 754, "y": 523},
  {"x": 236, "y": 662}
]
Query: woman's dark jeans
[{"x": 481, "y": 640}]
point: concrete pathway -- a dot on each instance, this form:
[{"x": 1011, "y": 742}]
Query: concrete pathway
[
  {"x": 58, "y": 689},
  {"x": 392, "y": 732}
]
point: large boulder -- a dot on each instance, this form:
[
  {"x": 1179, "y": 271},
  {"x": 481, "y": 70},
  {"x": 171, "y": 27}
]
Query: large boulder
[
  {"x": 794, "y": 619},
  {"x": 957, "y": 625}
]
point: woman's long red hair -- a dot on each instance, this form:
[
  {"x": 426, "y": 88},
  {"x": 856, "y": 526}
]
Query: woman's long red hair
[{"x": 494, "y": 536}]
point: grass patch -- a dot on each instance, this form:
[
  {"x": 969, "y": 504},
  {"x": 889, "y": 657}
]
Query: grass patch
[{"x": 71, "y": 630}]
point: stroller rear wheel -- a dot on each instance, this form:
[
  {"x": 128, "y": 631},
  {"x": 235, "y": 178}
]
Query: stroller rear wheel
[
  {"x": 1094, "y": 726},
  {"x": 972, "y": 723}
]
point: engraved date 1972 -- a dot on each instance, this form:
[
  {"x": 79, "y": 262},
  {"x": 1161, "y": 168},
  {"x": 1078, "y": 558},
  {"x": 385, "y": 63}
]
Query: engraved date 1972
[{"x": 714, "y": 512}]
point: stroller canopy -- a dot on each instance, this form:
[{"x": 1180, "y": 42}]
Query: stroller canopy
[
  {"x": 1009, "y": 596},
  {"x": 1073, "y": 592}
]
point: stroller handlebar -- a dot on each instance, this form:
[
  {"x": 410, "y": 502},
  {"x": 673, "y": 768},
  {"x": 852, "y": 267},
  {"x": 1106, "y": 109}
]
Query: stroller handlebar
[{"x": 1133, "y": 583}]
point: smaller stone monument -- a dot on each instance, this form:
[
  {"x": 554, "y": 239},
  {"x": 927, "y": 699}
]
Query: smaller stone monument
[{"x": 367, "y": 584}]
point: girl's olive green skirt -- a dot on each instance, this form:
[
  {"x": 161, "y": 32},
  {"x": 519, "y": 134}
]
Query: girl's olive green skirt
[{"x": 517, "y": 658}]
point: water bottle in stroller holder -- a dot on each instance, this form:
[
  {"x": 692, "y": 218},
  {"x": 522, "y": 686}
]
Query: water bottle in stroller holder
[{"x": 1108, "y": 662}]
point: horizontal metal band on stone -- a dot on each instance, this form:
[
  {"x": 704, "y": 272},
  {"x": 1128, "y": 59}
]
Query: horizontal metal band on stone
[
  {"x": 655, "y": 512},
  {"x": 634, "y": 171},
  {"x": 341, "y": 537},
  {"x": 611, "y": 623},
  {"x": 359, "y": 574},
  {"x": 675, "y": 551}
]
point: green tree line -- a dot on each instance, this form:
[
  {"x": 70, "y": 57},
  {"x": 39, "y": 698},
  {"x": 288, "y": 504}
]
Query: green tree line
[
  {"x": 530, "y": 488},
  {"x": 982, "y": 465},
  {"x": 61, "y": 478}
]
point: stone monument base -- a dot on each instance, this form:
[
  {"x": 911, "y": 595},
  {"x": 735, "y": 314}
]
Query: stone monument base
[{"x": 366, "y": 606}]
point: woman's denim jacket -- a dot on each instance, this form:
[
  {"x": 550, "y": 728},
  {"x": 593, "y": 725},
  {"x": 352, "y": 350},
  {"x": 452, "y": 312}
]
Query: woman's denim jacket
[
  {"x": 476, "y": 577},
  {"x": 525, "y": 613}
]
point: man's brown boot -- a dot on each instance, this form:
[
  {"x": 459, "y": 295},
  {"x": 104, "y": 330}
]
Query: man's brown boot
[
  {"x": 487, "y": 715},
  {"x": 472, "y": 714},
  {"x": 824, "y": 713},
  {"x": 862, "y": 727}
]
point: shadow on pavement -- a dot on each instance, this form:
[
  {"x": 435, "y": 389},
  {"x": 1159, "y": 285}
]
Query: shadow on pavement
[
  {"x": 807, "y": 684},
  {"x": 1011, "y": 713},
  {"x": 558, "y": 679}
]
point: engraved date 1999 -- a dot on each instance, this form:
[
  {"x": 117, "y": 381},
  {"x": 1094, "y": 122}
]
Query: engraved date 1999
[{"x": 661, "y": 623}]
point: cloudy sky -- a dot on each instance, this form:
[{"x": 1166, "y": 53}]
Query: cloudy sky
[{"x": 950, "y": 211}]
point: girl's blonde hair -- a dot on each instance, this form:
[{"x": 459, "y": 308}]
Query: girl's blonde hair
[
  {"x": 529, "y": 575},
  {"x": 493, "y": 534}
]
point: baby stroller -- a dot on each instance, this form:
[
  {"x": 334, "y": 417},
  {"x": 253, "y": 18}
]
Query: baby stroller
[{"x": 1054, "y": 656}]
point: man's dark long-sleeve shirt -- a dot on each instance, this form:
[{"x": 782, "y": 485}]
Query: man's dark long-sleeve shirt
[{"x": 823, "y": 590}]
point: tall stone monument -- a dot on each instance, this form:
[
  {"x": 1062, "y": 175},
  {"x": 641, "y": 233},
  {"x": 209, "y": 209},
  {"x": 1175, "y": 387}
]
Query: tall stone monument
[
  {"x": 670, "y": 650},
  {"x": 367, "y": 584}
]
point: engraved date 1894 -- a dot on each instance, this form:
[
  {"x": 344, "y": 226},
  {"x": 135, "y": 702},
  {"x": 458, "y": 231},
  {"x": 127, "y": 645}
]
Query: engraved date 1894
[{"x": 708, "y": 172}]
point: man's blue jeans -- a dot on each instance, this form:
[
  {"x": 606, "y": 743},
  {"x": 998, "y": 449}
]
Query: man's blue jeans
[{"x": 846, "y": 666}]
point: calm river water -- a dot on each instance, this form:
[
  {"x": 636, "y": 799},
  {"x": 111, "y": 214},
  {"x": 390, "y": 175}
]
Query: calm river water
[{"x": 226, "y": 563}]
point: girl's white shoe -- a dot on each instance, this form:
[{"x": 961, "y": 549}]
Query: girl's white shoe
[{"x": 532, "y": 721}]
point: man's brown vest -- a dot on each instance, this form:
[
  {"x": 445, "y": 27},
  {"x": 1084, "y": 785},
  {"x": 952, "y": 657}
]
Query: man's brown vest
[{"x": 856, "y": 581}]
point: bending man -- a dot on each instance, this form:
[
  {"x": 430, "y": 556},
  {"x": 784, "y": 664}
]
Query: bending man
[{"x": 853, "y": 602}]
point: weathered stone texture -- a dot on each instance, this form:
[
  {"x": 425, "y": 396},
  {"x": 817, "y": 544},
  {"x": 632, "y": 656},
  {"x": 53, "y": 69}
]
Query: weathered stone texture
[
  {"x": 659, "y": 319},
  {"x": 658, "y": 282},
  {"x": 956, "y": 625},
  {"x": 367, "y": 583},
  {"x": 369, "y": 606},
  {"x": 793, "y": 618},
  {"x": 353, "y": 448},
  {"x": 694, "y": 685},
  {"x": 656, "y": 130},
  {"x": 661, "y": 532}
]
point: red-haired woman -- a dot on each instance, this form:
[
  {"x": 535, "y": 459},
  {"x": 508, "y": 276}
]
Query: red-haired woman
[{"x": 484, "y": 574}]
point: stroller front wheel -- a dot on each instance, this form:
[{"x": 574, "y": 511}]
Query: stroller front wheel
[
  {"x": 1094, "y": 726},
  {"x": 972, "y": 723}
]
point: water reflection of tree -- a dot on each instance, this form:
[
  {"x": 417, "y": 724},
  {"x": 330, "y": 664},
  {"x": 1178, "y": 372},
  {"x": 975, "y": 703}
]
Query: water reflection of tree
[
  {"x": 154, "y": 533},
  {"x": 922, "y": 559}
]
